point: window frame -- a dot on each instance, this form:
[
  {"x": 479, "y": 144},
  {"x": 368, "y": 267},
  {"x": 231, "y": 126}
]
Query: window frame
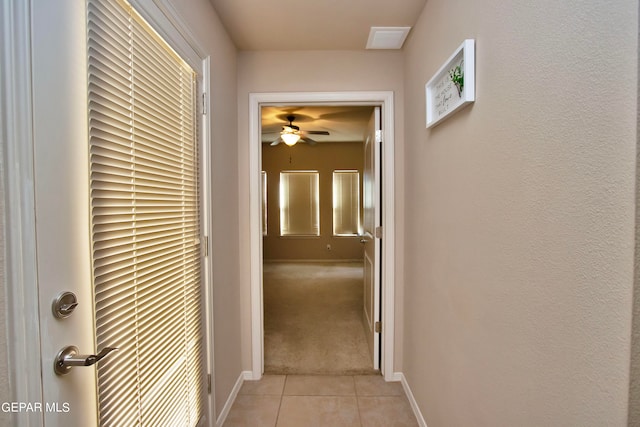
[{"x": 265, "y": 223}]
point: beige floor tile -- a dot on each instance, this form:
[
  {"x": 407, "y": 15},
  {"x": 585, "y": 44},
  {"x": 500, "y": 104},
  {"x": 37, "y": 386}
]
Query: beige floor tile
[
  {"x": 386, "y": 411},
  {"x": 253, "y": 411},
  {"x": 324, "y": 385},
  {"x": 268, "y": 385},
  {"x": 375, "y": 385},
  {"x": 318, "y": 411}
]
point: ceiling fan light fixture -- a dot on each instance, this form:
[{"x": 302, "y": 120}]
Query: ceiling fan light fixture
[{"x": 290, "y": 138}]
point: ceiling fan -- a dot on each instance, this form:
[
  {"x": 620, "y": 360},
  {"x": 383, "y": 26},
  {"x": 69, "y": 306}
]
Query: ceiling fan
[{"x": 291, "y": 134}]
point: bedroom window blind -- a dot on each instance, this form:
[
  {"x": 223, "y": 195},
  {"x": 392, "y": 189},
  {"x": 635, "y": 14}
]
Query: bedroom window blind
[
  {"x": 263, "y": 177},
  {"x": 145, "y": 213},
  {"x": 346, "y": 203},
  {"x": 299, "y": 203}
]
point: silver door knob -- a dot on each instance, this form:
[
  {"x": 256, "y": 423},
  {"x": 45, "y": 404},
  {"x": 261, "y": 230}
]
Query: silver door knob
[
  {"x": 363, "y": 240},
  {"x": 68, "y": 357}
]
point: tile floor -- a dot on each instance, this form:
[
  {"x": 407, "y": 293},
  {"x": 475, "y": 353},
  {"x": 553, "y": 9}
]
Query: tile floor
[{"x": 321, "y": 401}]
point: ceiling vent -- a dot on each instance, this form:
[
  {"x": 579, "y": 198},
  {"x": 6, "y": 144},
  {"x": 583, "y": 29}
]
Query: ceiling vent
[{"x": 387, "y": 37}]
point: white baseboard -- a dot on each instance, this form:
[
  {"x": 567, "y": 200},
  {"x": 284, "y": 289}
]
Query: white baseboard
[
  {"x": 412, "y": 400},
  {"x": 251, "y": 376},
  {"x": 311, "y": 261},
  {"x": 396, "y": 376},
  {"x": 244, "y": 375}
]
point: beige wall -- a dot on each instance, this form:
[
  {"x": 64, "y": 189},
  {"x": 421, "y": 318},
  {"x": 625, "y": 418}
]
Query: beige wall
[
  {"x": 5, "y": 390},
  {"x": 325, "y": 158},
  {"x": 519, "y": 264},
  {"x": 211, "y": 35},
  {"x": 321, "y": 71},
  {"x": 634, "y": 383}
]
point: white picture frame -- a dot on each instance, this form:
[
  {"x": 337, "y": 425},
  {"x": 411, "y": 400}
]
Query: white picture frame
[{"x": 453, "y": 86}]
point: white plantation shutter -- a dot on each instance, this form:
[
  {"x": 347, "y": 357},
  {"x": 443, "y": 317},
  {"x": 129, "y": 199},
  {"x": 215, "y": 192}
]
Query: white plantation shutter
[{"x": 145, "y": 222}]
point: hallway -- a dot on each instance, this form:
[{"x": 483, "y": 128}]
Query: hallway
[
  {"x": 511, "y": 287},
  {"x": 306, "y": 401}
]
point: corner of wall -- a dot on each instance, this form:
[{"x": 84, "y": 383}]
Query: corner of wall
[
  {"x": 412, "y": 400},
  {"x": 4, "y": 369},
  {"x": 634, "y": 371},
  {"x": 224, "y": 413}
]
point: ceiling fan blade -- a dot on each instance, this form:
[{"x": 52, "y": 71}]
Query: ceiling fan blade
[
  {"x": 309, "y": 141},
  {"x": 276, "y": 142},
  {"x": 317, "y": 132}
]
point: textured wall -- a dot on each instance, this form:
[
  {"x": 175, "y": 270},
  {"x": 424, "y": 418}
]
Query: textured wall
[
  {"x": 4, "y": 369},
  {"x": 519, "y": 263},
  {"x": 634, "y": 383},
  {"x": 315, "y": 71},
  {"x": 211, "y": 35},
  {"x": 325, "y": 158}
]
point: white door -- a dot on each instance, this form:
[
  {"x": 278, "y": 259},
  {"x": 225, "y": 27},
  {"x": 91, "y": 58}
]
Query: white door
[
  {"x": 371, "y": 221},
  {"x": 61, "y": 164},
  {"x": 62, "y": 200}
]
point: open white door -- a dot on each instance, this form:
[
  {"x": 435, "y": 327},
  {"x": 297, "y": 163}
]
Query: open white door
[
  {"x": 371, "y": 223},
  {"x": 62, "y": 200}
]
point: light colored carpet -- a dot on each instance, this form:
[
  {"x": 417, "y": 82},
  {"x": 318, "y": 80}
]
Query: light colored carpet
[{"x": 313, "y": 319}]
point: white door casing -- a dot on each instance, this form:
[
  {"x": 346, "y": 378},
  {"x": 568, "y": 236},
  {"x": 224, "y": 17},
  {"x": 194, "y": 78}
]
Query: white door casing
[
  {"x": 371, "y": 199},
  {"x": 384, "y": 99},
  {"x": 16, "y": 120}
]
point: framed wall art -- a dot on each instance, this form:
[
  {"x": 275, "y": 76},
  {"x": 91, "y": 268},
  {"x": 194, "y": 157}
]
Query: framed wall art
[{"x": 453, "y": 85}]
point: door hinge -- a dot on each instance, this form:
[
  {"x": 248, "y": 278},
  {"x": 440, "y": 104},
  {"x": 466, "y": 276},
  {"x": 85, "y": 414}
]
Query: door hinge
[
  {"x": 378, "y": 136},
  {"x": 378, "y": 232},
  {"x": 204, "y": 103},
  {"x": 209, "y": 383},
  {"x": 205, "y": 246},
  {"x": 378, "y": 327}
]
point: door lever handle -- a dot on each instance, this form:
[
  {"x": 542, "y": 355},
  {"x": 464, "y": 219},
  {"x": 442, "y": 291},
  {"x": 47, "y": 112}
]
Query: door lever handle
[{"x": 68, "y": 357}]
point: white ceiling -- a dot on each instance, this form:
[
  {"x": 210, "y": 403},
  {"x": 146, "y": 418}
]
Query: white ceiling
[
  {"x": 344, "y": 123},
  {"x": 311, "y": 24}
]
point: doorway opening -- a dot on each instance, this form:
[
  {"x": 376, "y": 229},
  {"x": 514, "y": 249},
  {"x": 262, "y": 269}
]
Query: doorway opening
[
  {"x": 385, "y": 273},
  {"x": 313, "y": 240}
]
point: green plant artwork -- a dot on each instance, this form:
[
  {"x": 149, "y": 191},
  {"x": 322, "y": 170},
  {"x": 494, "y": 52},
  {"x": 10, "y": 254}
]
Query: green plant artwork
[{"x": 457, "y": 77}]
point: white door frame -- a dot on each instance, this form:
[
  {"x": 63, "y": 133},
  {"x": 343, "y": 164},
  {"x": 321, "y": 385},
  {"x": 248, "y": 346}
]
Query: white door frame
[
  {"x": 20, "y": 277},
  {"x": 387, "y": 283}
]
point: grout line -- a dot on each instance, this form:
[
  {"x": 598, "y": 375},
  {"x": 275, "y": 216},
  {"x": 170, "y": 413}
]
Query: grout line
[
  {"x": 281, "y": 397},
  {"x": 357, "y": 402},
  {"x": 355, "y": 388}
]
